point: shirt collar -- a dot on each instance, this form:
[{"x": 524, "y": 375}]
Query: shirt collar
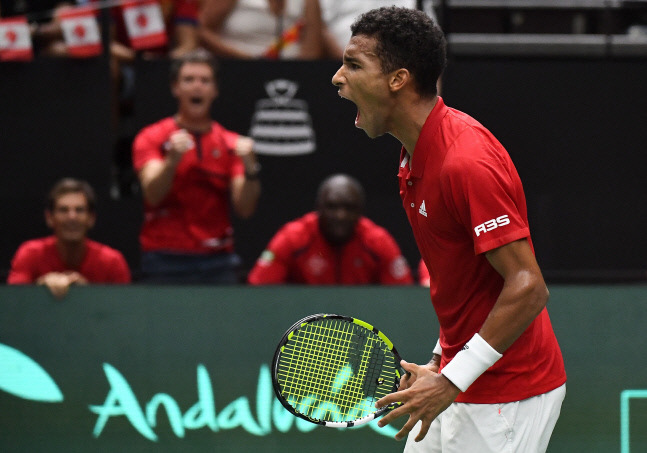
[{"x": 422, "y": 149}]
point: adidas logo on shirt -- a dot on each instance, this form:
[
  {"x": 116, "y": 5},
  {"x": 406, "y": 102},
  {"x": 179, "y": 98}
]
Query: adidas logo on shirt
[{"x": 422, "y": 210}]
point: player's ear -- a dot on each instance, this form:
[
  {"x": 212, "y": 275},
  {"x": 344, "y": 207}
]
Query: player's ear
[{"x": 399, "y": 78}]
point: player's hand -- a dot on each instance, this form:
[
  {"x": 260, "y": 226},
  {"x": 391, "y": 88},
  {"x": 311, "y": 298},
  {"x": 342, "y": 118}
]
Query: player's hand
[
  {"x": 429, "y": 393},
  {"x": 179, "y": 143},
  {"x": 408, "y": 379}
]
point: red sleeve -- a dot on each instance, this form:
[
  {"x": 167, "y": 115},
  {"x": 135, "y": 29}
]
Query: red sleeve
[
  {"x": 485, "y": 195},
  {"x": 22, "y": 267},
  {"x": 120, "y": 272},
  {"x": 393, "y": 267},
  {"x": 272, "y": 267},
  {"x": 147, "y": 146}
]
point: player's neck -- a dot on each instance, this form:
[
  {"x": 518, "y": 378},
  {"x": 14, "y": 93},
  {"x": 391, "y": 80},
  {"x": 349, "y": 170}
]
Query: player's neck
[
  {"x": 71, "y": 253},
  {"x": 411, "y": 121}
]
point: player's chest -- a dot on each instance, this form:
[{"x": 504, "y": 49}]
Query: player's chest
[{"x": 426, "y": 207}]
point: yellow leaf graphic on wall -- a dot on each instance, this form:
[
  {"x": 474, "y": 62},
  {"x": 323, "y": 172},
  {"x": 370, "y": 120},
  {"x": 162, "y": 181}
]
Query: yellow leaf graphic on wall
[{"x": 21, "y": 376}]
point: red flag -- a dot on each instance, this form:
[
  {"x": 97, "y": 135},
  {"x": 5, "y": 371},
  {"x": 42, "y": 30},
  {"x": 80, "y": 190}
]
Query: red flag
[
  {"x": 145, "y": 25},
  {"x": 15, "y": 39},
  {"x": 81, "y": 32}
]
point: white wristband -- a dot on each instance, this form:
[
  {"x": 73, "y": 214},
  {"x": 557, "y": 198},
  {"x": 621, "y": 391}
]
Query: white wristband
[
  {"x": 438, "y": 349},
  {"x": 472, "y": 361}
]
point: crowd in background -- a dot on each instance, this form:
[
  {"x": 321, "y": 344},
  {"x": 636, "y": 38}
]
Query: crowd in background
[{"x": 184, "y": 182}]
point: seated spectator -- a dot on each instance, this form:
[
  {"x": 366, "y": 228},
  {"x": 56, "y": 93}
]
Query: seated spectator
[
  {"x": 334, "y": 245},
  {"x": 180, "y": 22},
  {"x": 273, "y": 29},
  {"x": 68, "y": 257}
]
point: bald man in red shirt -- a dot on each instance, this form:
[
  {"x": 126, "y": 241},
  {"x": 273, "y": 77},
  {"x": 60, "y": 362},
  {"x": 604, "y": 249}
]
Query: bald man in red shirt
[{"x": 334, "y": 245}]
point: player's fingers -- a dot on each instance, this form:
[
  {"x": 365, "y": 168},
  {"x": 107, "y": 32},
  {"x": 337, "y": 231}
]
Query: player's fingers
[
  {"x": 408, "y": 426},
  {"x": 406, "y": 381},
  {"x": 392, "y": 415},
  {"x": 391, "y": 398},
  {"x": 411, "y": 368},
  {"x": 424, "y": 429}
]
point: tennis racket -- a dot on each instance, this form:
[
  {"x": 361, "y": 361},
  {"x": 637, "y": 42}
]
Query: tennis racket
[{"x": 331, "y": 369}]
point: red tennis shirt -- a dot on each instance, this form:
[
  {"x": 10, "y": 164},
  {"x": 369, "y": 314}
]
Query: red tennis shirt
[
  {"x": 194, "y": 217},
  {"x": 463, "y": 197},
  {"x": 298, "y": 253},
  {"x": 37, "y": 257}
]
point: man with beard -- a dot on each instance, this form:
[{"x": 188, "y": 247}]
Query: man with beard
[
  {"x": 334, "y": 245},
  {"x": 68, "y": 257}
]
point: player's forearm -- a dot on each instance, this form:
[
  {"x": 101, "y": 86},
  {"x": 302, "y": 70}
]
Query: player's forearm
[{"x": 520, "y": 302}]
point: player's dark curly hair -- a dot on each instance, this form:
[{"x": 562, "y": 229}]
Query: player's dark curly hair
[{"x": 406, "y": 38}]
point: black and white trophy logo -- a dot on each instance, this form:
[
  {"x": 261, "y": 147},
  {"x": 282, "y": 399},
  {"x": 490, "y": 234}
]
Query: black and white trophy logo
[{"x": 281, "y": 125}]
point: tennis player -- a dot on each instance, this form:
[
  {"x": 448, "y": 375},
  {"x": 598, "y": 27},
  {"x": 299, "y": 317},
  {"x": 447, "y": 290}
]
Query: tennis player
[{"x": 496, "y": 380}]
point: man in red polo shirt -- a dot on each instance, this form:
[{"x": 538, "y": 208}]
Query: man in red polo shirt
[
  {"x": 466, "y": 205},
  {"x": 68, "y": 257},
  {"x": 192, "y": 170},
  {"x": 334, "y": 245}
]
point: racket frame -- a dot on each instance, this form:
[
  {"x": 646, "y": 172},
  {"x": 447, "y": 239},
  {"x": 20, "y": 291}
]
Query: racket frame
[{"x": 332, "y": 424}]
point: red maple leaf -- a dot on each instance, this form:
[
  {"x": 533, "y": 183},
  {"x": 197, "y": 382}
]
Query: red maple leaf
[
  {"x": 142, "y": 20},
  {"x": 79, "y": 31},
  {"x": 11, "y": 36}
]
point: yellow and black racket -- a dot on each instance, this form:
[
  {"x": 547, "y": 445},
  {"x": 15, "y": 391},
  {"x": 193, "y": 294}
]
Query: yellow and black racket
[{"x": 331, "y": 369}]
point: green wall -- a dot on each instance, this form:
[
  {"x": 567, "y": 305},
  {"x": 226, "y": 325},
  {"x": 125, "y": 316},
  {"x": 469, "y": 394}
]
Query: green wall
[{"x": 99, "y": 362}]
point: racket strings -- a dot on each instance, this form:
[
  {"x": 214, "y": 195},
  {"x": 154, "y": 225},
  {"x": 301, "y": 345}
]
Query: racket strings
[
  {"x": 334, "y": 370},
  {"x": 315, "y": 352}
]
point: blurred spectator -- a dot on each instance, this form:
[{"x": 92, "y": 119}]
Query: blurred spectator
[
  {"x": 192, "y": 171},
  {"x": 334, "y": 245},
  {"x": 274, "y": 29},
  {"x": 338, "y": 15},
  {"x": 68, "y": 257},
  {"x": 180, "y": 22}
]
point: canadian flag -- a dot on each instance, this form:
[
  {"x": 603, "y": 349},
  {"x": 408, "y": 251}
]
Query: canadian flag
[
  {"x": 145, "y": 25},
  {"x": 81, "y": 32},
  {"x": 15, "y": 39}
]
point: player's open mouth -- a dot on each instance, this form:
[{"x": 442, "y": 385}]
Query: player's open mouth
[
  {"x": 358, "y": 112},
  {"x": 196, "y": 100}
]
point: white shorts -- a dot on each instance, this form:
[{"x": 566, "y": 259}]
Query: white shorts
[{"x": 518, "y": 427}]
